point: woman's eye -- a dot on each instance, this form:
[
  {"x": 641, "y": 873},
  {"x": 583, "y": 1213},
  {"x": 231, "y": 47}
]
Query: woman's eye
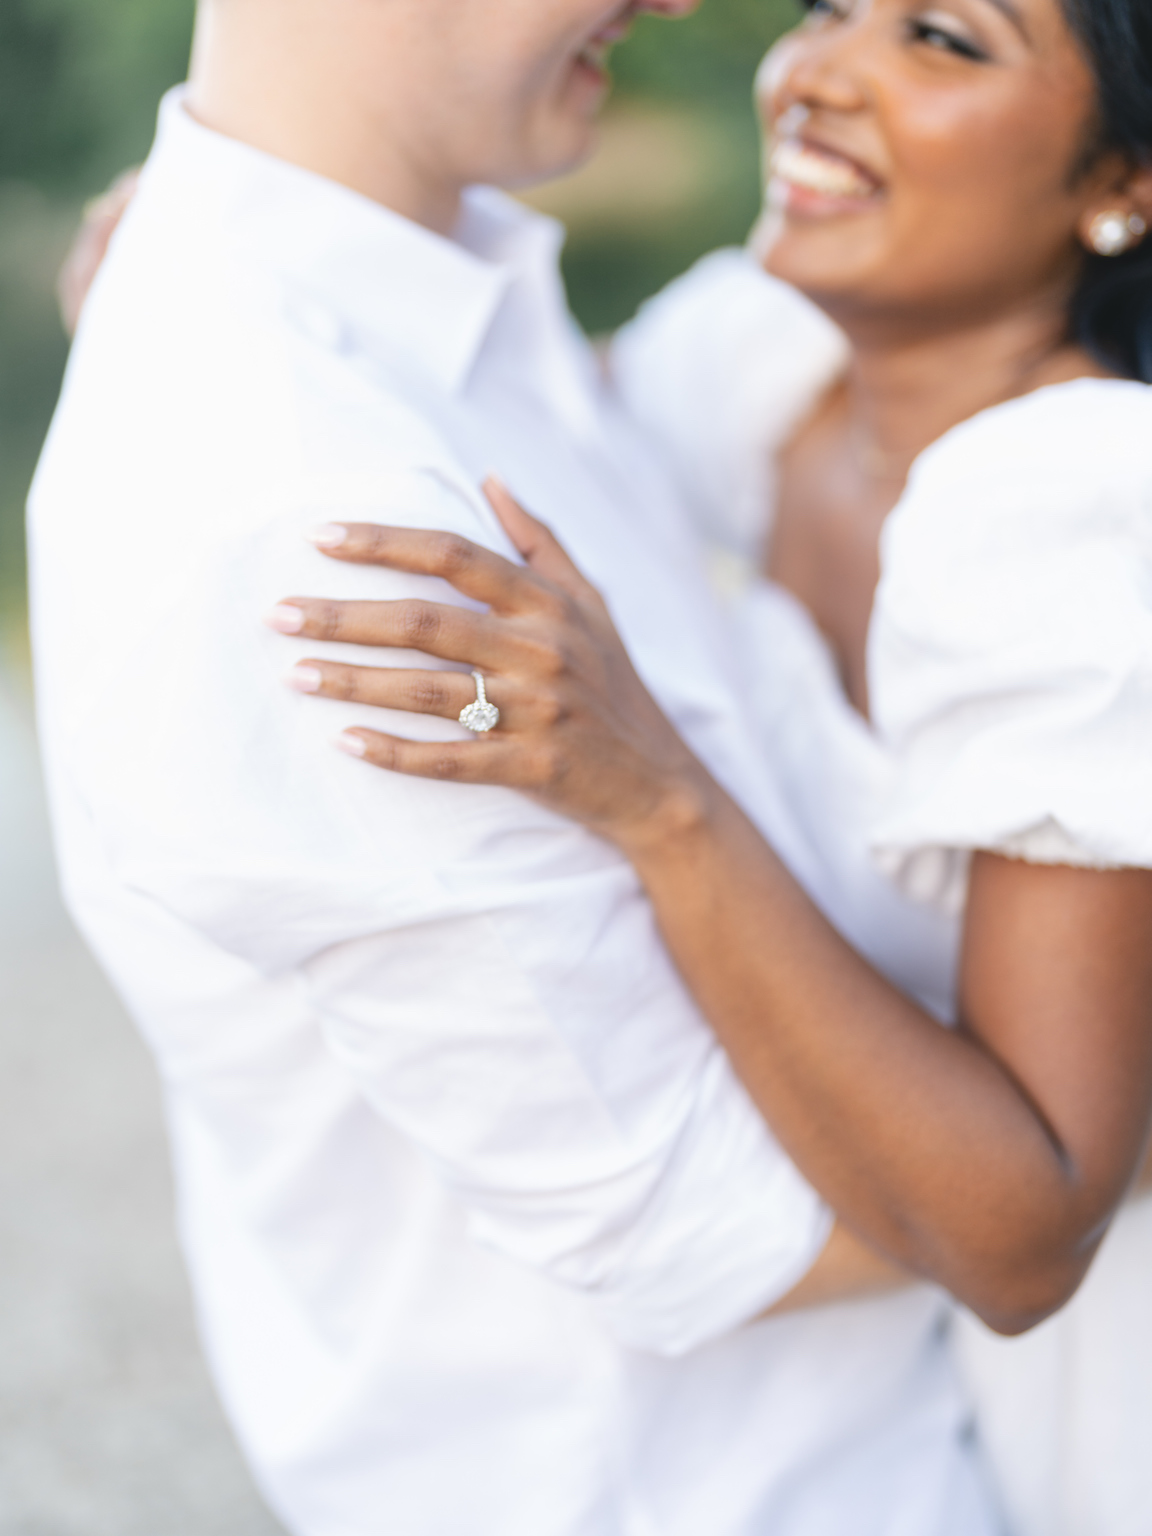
[
  {"x": 822, "y": 9},
  {"x": 932, "y": 35}
]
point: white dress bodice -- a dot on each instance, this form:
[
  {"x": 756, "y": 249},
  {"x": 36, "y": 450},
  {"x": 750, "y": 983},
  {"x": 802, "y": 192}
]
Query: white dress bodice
[
  {"x": 839, "y": 776},
  {"x": 1010, "y": 680}
]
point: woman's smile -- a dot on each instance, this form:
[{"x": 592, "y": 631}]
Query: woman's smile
[
  {"x": 923, "y": 158},
  {"x": 810, "y": 180}
]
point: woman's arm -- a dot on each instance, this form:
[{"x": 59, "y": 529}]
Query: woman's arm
[
  {"x": 847, "y": 1270},
  {"x": 989, "y": 1158}
]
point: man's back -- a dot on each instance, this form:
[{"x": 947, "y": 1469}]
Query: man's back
[{"x": 397, "y": 1020}]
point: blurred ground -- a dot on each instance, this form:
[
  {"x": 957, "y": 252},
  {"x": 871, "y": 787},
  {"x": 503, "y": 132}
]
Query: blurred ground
[{"x": 108, "y": 1425}]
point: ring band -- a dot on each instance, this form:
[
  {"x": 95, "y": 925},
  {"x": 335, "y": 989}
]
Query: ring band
[{"x": 480, "y": 716}]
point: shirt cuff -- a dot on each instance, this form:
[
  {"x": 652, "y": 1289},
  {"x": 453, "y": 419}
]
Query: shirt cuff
[{"x": 732, "y": 1228}]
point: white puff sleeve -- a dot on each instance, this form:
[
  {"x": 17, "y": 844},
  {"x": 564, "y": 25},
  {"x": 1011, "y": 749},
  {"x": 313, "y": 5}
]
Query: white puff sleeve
[
  {"x": 720, "y": 368},
  {"x": 1010, "y": 655}
]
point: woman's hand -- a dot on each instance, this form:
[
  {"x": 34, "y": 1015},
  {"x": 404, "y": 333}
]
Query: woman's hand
[
  {"x": 578, "y": 729},
  {"x": 989, "y": 1158},
  {"x": 101, "y": 220}
]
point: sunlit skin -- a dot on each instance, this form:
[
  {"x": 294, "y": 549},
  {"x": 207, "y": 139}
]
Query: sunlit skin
[
  {"x": 407, "y": 102},
  {"x": 952, "y": 273},
  {"x": 989, "y": 1158},
  {"x": 411, "y": 101},
  {"x": 967, "y": 125}
]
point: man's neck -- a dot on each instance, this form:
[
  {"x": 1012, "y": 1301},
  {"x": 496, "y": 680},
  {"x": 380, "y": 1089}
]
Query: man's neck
[{"x": 291, "y": 98}]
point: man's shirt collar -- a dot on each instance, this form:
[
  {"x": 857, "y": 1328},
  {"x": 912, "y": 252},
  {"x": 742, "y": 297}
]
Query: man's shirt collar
[{"x": 358, "y": 272}]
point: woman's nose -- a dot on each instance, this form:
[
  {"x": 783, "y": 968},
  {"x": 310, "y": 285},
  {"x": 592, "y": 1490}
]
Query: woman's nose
[{"x": 820, "y": 70}]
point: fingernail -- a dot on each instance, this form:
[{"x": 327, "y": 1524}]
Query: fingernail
[
  {"x": 304, "y": 679},
  {"x": 355, "y": 746},
  {"x": 328, "y": 536},
  {"x": 285, "y": 618}
]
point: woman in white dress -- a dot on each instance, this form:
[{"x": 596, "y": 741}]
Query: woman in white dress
[
  {"x": 947, "y": 766},
  {"x": 949, "y": 495}
]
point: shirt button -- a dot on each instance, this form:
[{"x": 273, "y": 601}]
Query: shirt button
[{"x": 317, "y": 322}]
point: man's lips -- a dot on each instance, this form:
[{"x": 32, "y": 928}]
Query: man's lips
[
  {"x": 594, "y": 56},
  {"x": 813, "y": 168},
  {"x": 596, "y": 50}
]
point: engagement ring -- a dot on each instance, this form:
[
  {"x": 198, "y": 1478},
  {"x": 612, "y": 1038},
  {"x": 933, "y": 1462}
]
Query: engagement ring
[{"x": 480, "y": 716}]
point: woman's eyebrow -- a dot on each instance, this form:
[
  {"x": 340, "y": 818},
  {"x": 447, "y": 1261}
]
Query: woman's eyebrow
[{"x": 1011, "y": 12}]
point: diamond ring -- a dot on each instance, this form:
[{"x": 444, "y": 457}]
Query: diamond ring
[{"x": 480, "y": 716}]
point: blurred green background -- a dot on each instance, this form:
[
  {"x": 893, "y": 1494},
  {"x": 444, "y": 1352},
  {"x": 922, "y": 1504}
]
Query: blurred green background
[{"x": 678, "y": 173}]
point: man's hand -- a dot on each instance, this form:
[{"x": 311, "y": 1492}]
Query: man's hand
[{"x": 101, "y": 217}]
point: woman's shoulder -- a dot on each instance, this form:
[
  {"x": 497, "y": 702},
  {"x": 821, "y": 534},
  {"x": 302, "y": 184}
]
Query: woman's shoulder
[
  {"x": 1022, "y": 484},
  {"x": 1076, "y": 437},
  {"x": 1080, "y": 411},
  {"x": 719, "y": 369},
  {"x": 725, "y": 327},
  {"x": 1010, "y": 656},
  {"x": 723, "y": 293}
]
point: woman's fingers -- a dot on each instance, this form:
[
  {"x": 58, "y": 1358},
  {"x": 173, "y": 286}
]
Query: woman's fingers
[
  {"x": 477, "y": 572},
  {"x": 415, "y": 692},
  {"x": 520, "y": 526},
  {"x": 436, "y": 629},
  {"x": 487, "y": 760},
  {"x": 536, "y": 542}
]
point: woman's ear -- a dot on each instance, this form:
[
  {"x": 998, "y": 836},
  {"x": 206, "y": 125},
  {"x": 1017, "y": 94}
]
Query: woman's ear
[
  {"x": 1119, "y": 219},
  {"x": 1140, "y": 191}
]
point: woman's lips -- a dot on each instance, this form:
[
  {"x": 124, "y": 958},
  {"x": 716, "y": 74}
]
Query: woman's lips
[{"x": 825, "y": 175}]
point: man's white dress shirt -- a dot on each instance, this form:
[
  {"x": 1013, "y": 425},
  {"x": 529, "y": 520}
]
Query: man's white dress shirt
[{"x": 473, "y": 1205}]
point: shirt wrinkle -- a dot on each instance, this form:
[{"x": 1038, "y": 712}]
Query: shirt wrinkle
[{"x": 470, "y": 1197}]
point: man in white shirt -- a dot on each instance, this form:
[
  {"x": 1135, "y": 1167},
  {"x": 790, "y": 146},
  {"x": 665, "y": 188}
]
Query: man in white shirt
[{"x": 474, "y": 1207}]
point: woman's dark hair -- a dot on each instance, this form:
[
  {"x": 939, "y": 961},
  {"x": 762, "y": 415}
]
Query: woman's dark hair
[{"x": 1112, "y": 308}]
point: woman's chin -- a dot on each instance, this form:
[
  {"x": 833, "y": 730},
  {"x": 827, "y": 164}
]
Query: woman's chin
[{"x": 821, "y": 260}]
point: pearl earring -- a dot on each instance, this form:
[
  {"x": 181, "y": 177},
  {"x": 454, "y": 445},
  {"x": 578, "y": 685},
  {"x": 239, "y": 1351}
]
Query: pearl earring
[{"x": 1113, "y": 233}]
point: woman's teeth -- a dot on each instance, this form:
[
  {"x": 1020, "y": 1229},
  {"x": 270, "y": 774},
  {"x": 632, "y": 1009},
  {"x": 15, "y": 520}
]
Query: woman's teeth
[{"x": 814, "y": 171}]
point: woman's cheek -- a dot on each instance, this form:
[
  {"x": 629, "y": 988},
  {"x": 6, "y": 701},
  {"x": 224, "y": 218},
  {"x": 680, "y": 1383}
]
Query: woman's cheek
[
  {"x": 772, "y": 78},
  {"x": 947, "y": 141}
]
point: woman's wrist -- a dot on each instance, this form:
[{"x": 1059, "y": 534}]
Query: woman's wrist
[{"x": 682, "y": 809}]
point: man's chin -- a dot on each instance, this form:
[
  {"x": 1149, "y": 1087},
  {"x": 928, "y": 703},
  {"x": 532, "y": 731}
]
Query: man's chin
[{"x": 564, "y": 153}]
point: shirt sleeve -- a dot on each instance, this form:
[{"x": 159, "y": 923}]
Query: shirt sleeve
[
  {"x": 1010, "y": 653},
  {"x": 490, "y": 974},
  {"x": 721, "y": 368}
]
